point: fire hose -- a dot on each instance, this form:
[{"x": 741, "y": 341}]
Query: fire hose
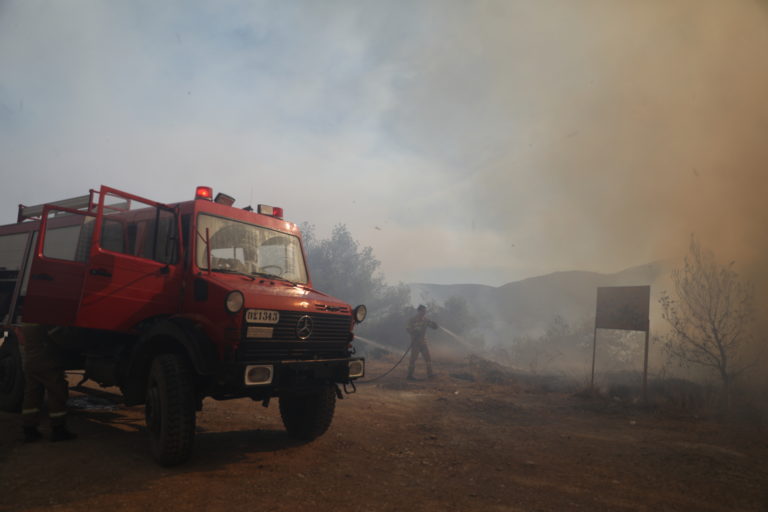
[{"x": 367, "y": 381}]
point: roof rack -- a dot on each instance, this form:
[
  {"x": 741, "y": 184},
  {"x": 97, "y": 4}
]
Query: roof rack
[{"x": 75, "y": 203}]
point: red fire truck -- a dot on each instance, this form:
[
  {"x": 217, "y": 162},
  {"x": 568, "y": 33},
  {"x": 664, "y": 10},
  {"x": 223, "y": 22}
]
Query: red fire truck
[{"x": 173, "y": 303}]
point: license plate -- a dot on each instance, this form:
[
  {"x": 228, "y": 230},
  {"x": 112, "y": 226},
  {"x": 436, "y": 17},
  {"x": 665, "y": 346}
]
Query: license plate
[
  {"x": 262, "y": 316},
  {"x": 255, "y": 331}
]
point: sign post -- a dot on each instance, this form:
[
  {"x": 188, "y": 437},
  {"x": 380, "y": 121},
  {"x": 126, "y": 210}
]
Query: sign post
[{"x": 623, "y": 308}]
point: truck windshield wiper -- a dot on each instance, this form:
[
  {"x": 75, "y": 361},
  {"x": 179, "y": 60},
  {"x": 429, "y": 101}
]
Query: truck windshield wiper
[
  {"x": 233, "y": 271},
  {"x": 274, "y": 276}
]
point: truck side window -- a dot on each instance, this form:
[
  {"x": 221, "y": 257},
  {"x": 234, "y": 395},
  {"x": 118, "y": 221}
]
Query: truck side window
[
  {"x": 61, "y": 243},
  {"x": 139, "y": 229},
  {"x": 84, "y": 241},
  {"x": 158, "y": 238},
  {"x": 166, "y": 237},
  {"x": 11, "y": 255},
  {"x": 12, "y": 250},
  {"x": 112, "y": 235},
  {"x": 185, "y": 221}
]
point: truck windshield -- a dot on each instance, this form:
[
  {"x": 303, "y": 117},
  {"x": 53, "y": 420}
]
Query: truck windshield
[{"x": 238, "y": 247}]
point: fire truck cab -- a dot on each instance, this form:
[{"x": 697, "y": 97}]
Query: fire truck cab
[{"x": 173, "y": 303}]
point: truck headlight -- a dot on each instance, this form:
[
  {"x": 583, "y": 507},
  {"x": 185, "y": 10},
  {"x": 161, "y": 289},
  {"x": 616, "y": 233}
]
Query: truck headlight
[
  {"x": 359, "y": 313},
  {"x": 234, "y": 301},
  {"x": 258, "y": 374},
  {"x": 356, "y": 368}
]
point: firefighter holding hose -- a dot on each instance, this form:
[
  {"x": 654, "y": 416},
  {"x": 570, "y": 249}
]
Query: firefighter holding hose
[{"x": 417, "y": 328}]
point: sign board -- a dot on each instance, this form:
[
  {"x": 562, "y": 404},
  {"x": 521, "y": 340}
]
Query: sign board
[{"x": 623, "y": 307}]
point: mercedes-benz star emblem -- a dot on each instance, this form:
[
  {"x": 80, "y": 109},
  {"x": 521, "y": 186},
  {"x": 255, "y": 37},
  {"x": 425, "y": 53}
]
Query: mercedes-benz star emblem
[{"x": 304, "y": 327}]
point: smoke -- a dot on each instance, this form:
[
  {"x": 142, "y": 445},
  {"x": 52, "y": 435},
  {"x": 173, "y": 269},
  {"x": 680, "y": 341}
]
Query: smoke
[
  {"x": 495, "y": 139},
  {"x": 599, "y": 134}
]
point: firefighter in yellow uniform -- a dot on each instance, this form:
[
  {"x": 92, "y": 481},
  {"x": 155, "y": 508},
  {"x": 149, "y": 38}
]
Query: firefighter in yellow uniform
[
  {"x": 417, "y": 328},
  {"x": 44, "y": 374}
]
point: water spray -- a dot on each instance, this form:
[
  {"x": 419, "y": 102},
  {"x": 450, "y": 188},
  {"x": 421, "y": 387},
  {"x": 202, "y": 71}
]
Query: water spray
[
  {"x": 473, "y": 350},
  {"x": 388, "y": 349},
  {"x": 462, "y": 341},
  {"x": 376, "y": 344},
  {"x": 458, "y": 338}
]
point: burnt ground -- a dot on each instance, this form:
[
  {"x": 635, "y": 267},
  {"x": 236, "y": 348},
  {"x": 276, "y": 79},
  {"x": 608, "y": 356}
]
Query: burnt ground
[{"x": 465, "y": 441}]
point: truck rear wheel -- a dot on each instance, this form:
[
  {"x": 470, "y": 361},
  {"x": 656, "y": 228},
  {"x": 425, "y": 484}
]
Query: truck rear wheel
[
  {"x": 170, "y": 409},
  {"x": 11, "y": 375},
  {"x": 307, "y": 417}
]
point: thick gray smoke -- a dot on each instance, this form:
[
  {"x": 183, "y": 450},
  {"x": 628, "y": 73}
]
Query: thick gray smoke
[{"x": 600, "y": 133}]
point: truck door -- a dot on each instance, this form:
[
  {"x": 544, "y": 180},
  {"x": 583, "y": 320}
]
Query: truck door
[
  {"x": 58, "y": 266},
  {"x": 134, "y": 272}
]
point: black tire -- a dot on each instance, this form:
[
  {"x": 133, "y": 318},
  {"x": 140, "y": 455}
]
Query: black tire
[
  {"x": 11, "y": 375},
  {"x": 170, "y": 409},
  {"x": 307, "y": 417}
]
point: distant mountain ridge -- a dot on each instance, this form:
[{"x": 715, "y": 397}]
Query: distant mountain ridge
[{"x": 528, "y": 306}]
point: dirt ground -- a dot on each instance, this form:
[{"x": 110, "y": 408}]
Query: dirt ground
[{"x": 457, "y": 443}]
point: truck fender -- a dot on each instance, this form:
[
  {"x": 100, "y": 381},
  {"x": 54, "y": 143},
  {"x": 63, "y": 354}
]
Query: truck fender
[{"x": 170, "y": 335}]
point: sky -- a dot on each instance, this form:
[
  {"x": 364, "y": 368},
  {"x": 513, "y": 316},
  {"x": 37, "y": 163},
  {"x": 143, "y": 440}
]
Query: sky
[{"x": 464, "y": 141}]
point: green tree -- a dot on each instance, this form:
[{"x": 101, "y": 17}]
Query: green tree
[
  {"x": 340, "y": 267},
  {"x": 710, "y": 316}
]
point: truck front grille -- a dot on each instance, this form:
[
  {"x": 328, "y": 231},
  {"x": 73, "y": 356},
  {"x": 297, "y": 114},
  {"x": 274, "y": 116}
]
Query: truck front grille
[
  {"x": 325, "y": 327},
  {"x": 266, "y": 350},
  {"x": 328, "y": 339}
]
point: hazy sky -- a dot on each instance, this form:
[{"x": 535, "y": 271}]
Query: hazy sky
[{"x": 465, "y": 141}]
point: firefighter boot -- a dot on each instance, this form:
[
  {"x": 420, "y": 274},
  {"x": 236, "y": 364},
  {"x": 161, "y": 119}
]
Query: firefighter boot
[
  {"x": 31, "y": 434},
  {"x": 60, "y": 433}
]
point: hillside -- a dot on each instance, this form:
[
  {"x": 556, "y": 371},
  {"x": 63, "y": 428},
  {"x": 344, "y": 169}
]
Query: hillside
[{"x": 526, "y": 307}]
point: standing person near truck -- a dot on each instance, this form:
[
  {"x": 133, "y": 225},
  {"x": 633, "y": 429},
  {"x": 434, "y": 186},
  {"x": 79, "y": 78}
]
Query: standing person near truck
[
  {"x": 417, "y": 328},
  {"x": 44, "y": 375}
]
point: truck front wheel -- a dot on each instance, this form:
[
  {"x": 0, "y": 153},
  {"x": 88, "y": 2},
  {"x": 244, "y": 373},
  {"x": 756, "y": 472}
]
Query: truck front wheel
[
  {"x": 11, "y": 375},
  {"x": 307, "y": 417},
  {"x": 170, "y": 409}
]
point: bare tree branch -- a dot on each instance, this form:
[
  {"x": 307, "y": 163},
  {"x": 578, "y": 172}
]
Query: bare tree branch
[{"x": 710, "y": 319}]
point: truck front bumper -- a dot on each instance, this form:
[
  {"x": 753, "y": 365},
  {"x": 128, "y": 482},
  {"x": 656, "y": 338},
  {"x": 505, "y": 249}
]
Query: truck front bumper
[
  {"x": 272, "y": 378},
  {"x": 289, "y": 373}
]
